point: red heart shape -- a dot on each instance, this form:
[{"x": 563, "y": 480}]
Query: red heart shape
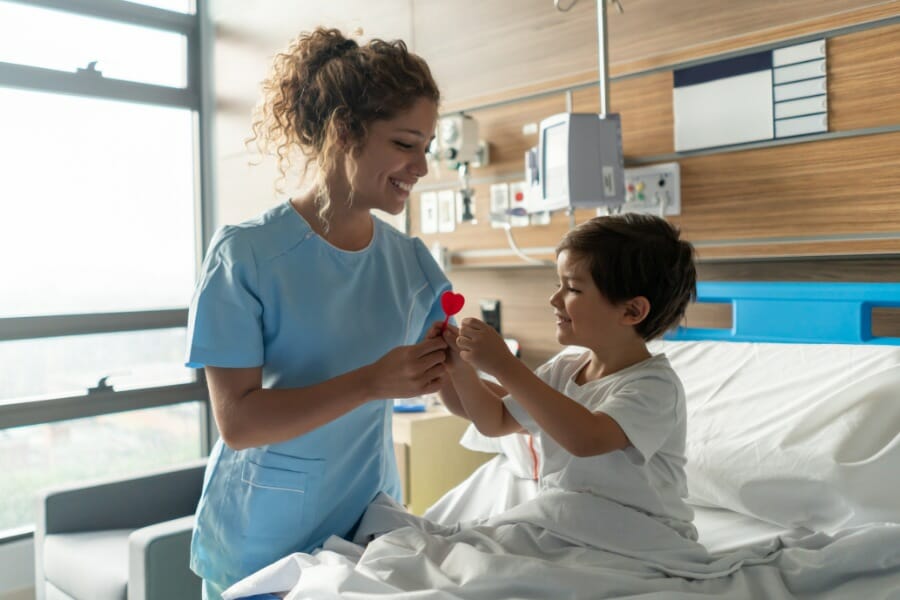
[{"x": 452, "y": 303}]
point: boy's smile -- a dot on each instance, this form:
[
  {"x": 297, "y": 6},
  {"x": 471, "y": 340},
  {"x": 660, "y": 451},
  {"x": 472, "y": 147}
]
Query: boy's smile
[{"x": 584, "y": 316}]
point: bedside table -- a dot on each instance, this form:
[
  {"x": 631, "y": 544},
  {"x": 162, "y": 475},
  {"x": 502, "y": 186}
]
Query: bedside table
[{"x": 429, "y": 457}]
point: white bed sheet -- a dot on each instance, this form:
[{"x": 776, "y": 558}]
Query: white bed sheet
[
  {"x": 722, "y": 530},
  {"x": 578, "y": 547},
  {"x": 494, "y": 488}
]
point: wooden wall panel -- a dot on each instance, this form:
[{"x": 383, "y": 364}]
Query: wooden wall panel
[
  {"x": 479, "y": 47},
  {"x": 729, "y": 29},
  {"x": 864, "y": 79},
  {"x": 835, "y": 187},
  {"x": 824, "y": 198},
  {"x": 644, "y": 105}
]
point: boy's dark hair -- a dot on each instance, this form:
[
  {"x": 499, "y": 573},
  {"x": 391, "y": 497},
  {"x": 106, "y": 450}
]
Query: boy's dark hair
[{"x": 634, "y": 255}]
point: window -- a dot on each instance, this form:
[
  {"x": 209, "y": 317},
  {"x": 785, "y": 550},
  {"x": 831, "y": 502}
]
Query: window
[
  {"x": 122, "y": 443},
  {"x": 100, "y": 204},
  {"x": 101, "y": 222},
  {"x": 51, "y": 39}
]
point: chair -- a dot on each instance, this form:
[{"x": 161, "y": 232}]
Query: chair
[{"x": 116, "y": 539}]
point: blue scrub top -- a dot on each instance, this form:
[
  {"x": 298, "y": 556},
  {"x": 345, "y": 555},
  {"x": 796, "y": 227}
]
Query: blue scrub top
[{"x": 274, "y": 294}]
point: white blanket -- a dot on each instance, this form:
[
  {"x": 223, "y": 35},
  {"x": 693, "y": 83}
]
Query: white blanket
[{"x": 574, "y": 546}]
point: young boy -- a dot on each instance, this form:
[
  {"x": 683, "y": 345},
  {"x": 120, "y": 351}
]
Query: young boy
[{"x": 610, "y": 420}]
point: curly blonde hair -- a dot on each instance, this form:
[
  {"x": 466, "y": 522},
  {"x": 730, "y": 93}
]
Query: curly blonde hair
[{"x": 326, "y": 89}]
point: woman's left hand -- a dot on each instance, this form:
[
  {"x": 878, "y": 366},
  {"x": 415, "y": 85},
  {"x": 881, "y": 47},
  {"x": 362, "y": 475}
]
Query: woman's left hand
[{"x": 481, "y": 346}]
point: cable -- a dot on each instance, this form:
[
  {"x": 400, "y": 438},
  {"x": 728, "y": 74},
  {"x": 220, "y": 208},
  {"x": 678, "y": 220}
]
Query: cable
[
  {"x": 566, "y": 9},
  {"x": 512, "y": 244}
]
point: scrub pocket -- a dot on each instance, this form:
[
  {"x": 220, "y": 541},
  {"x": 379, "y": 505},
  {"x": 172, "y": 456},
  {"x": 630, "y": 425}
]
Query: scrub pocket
[{"x": 279, "y": 506}]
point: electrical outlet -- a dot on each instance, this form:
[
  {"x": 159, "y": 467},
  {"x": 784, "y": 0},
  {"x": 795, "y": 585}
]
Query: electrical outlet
[
  {"x": 518, "y": 204},
  {"x": 654, "y": 189}
]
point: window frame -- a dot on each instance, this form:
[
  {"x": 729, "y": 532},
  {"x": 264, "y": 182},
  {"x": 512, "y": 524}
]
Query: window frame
[{"x": 197, "y": 97}]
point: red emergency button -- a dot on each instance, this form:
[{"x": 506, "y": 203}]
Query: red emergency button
[{"x": 519, "y": 196}]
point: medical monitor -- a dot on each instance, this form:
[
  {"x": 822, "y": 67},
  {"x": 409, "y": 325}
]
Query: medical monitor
[{"x": 580, "y": 162}]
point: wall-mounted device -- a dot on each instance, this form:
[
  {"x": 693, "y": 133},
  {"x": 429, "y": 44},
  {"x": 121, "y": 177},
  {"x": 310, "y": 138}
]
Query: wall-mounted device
[
  {"x": 579, "y": 162},
  {"x": 456, "y": 141},
  {"x": 490, "y": 312},
  {"x": 456, "y": 145}
]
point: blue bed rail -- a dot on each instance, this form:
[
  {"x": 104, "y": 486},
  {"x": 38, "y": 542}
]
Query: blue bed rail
[{"x": 805, "y": 313}]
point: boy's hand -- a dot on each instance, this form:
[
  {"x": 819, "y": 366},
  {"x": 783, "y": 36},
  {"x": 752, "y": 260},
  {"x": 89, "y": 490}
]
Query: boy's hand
[
  {"x": 482, "y": 347},
  {"x": 454, "y": 360}
]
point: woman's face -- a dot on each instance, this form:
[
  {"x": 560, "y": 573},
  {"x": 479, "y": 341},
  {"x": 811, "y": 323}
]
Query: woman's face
[{"x": 393, "y": 158}]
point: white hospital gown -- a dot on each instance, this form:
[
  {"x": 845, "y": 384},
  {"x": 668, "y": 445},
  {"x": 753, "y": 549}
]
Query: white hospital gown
[{"x": 647, "y": 401}]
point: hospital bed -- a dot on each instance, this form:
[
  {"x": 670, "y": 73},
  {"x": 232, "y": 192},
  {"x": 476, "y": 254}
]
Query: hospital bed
[{"x": 793, "y": 471}]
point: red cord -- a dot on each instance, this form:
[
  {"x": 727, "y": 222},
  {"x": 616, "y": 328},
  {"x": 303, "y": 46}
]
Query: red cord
[{"x": 534, "y": 458}]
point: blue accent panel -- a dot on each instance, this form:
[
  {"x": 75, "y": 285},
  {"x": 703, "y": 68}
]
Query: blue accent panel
[
  {"x": 805, "y": 313},
  {"x": 739, "y": 65}
]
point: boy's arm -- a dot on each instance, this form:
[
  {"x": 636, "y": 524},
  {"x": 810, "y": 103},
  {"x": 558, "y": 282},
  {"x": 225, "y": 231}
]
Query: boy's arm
[
  {"x": 450, "y": 399},
  {"x": 480, "y": 400},
  {"x": 484, "y": 407},
  {"x": 447, "y": 392},
  {"x": 574, "y": 427}
]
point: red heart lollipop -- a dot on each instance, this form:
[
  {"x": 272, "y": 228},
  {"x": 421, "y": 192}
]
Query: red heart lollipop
[{"x": 452, "y": 304}]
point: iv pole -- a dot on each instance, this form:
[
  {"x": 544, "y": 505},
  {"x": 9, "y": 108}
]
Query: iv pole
[{"x": 602, "y": 58}]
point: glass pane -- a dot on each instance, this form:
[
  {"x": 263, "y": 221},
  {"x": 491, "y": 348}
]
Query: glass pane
[
  {"x": 51, "y": 39},
  {"x": 68, "y": 366},
  {"x": 182, "y": 6},
  {"x": 121, "y": 444},
  {"x": 96, "y": 205}
]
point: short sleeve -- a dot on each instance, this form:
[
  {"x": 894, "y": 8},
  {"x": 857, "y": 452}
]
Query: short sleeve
[
  {"x": 646, "y": 410},
  {"x": 437, "y": 285},
  {"x": 544, "y": 371},
  {"x": 225, "y": 318}
]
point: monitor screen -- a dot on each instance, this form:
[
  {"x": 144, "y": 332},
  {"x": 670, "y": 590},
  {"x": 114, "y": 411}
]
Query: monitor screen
[{"x": 555, "y": 160}]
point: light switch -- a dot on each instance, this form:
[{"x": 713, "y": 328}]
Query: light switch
[{"x": 429, "y": 212}]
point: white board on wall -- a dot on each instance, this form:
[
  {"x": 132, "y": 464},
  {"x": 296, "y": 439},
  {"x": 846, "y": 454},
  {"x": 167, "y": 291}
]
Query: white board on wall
[{"x": 753, "y": 97}]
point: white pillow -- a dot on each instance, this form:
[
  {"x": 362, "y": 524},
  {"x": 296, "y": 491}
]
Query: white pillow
[{"x": 801, "y": 435}]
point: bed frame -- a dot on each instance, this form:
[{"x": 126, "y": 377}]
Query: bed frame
[{"x": 804, "y": 313}]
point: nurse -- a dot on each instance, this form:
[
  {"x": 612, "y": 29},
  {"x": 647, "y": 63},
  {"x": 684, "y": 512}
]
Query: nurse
[{"x": 310, "y": 318}]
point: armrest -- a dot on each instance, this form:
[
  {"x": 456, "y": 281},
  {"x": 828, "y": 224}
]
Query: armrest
[
  {"x": 122, "y": 503},
  {"x": 159, "y": 562}
]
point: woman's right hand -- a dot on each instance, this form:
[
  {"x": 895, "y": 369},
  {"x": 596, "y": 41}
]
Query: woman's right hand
[{"x": 408, "y": 371}]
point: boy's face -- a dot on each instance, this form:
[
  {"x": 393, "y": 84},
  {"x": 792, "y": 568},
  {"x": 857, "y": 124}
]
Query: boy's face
[{"x": 584, "y": 317}]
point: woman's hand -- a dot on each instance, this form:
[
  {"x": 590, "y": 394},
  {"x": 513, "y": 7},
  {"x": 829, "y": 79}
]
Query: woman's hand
[
  {"x": 408, "y": 371},
  {"x": 482, "y": 347}
]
